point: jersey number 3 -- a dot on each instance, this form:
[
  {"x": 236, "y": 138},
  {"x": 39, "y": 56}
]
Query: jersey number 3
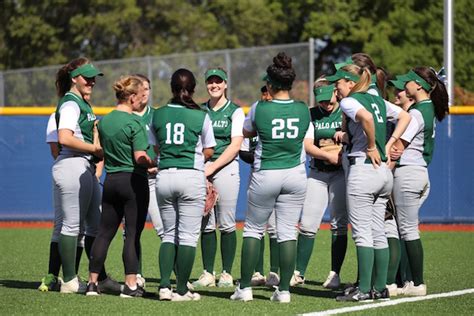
[
  {"x": 279, "y": 126},
  {"x": 174, "y": 133}
]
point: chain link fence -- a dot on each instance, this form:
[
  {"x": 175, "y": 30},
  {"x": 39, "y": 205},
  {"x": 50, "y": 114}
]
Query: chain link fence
[{"x": 35, "y": 87}]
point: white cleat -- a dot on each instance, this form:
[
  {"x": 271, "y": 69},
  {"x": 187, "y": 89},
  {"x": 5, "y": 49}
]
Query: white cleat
[
  {"x": 272, "y": 280},
  {"x": 244, "y": 295},
  {"x": 165, "y": 294},
  {"x": 73, "y": 286},
  {"x": 225, "y": 280},
  {"x": 296, "y": 279},
  {"x": 189, "y": 296},
  {"x": 258, "y": 279},
  {"x": 206, "y": 279},
  {"x": 333, "y": 281},
  {"x": 281, "y": 296}
]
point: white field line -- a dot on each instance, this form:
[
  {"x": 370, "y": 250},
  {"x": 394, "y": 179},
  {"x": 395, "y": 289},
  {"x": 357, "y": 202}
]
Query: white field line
[{"x": 389, "y": 303}]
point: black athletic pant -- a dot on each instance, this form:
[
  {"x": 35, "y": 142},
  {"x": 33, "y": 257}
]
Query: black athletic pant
[{"x": 125, "y": 194}]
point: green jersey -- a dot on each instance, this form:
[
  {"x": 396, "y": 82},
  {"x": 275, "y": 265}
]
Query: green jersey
[
  {"x": 281, "y": 126},
  {"x": 223, "y": 124},
  {"x": 74, "y": 113},
  {"x": 121, "y": 134},
  {"x": 181, "y": 134},
  {"x": 420, "y": 150},
  {"x": 325, "y": 126},
  {"x": 358, "y": 140},
  {"x": 146, "y": 120}
]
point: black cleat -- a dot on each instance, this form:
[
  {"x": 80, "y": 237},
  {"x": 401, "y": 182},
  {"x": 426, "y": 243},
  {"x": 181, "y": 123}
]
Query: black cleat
[
  {"x": 355, "y": 296},
  {"x": 92, "y": 289},
  {"x": 128, "y": 293}
]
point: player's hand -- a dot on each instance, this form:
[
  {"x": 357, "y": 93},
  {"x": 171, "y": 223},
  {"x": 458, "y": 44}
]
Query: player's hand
[
  {"x": 153, "y": 170},
  {"x": 374, "y": 156},
  {"x": 341, "y": 137}
]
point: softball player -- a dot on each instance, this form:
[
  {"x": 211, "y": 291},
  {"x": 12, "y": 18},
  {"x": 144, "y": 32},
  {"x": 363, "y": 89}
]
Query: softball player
[
  {"x": 76, "y": 189},
  {"x": 411, "y": 180},
  {"x": 145, "y": 114},
  {"x": 326, "y": 186},
  {"x": 278, "y": 183},
  {"x": 126, "y": 194},
  {"x": 369, "y": 180},
  {"x": 184, "y": 139},
  {"x": 223, "y": 171}
]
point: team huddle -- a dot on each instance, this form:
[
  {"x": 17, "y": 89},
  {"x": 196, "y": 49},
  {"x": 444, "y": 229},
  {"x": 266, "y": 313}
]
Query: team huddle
[{"x": 368, "y": 166}]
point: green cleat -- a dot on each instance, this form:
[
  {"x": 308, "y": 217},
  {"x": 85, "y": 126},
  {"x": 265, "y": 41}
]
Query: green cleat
[{"x": 50, "y": 283}]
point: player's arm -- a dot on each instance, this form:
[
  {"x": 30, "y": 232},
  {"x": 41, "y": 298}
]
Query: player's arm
[
  {"x": 207, "y": 137},
  {"x": 231, "y": 152}
]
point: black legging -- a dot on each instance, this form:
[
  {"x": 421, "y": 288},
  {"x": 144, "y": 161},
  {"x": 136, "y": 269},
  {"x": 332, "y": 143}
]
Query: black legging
[{"x": 124, "y": 194}]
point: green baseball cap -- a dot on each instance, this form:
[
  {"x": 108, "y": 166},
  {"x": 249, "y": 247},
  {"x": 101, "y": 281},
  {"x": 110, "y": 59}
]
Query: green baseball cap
[
  {"x": 413, "y": 76},
  {"x": 342, "y": 74},
  {"x": 324, "y": 93},
  {"x": 398, "y": 84},
  {"x": 87, "y": 71},
  {"x": 348, "y": 61},
  {"x": 216, "y": 72}
]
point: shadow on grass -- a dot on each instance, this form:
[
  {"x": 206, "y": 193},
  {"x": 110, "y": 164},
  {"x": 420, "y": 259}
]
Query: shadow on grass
[{"x": 16, "y": 284}]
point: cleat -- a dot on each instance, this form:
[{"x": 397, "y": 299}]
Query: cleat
[
  {"x": 355, "y": 296},
  {"x": 333, "y": 281},
  {"x": 244, "y": 295},
  {"x": 281, "y": 296},
  {"x": 258, "y": 279},
  {"x": 92, "y": 289},
  {"x": 411, "y": 290},
  {"x": 73, "y": 286},
  {"x": 129, "y": 293},
  {"x": 165, "y": 294},
  {"x": 225, "y": 280},
  {"x": 189, "y": 296},
  {"x": 50, "y": 283},
  {"x": 383, "y": 295},
  {"x": 205, "y": 279},
  {"x": 393, "y": 289},
  {"x": 296, "y": 279},
  {"x": 272, "y": 280},
  {"x": 110, "y": 286}
]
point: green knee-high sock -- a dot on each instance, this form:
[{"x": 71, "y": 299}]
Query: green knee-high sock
[
  {"x": 184, "y": 261},
  {"x": 415, "y": 258},
  {"x": 228, "y": 246},
  {"x": 303, "y": 252},
  {"x": 381, "y": 258},
  {"x": 166, "y": 257},
  {"x": 365, "y": 262},
  {"x": 274, "y": 255},
  {"x": 287, "y": 263},
  {"x": 405, "y": 271},
  {"x": 208, "y": 249},
  {"x": 259, "y": 267},
  {"x": 67, "y": 250},
  {"x": 338, "y": 252},
  {"x": 394, "y": 261},
  {"x": 250, "y": 250}
]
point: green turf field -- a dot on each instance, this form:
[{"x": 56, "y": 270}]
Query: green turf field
[{"x": 448, "y": 267}]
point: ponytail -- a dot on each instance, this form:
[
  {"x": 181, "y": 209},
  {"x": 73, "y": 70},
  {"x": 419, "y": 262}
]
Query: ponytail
[
  {"x": 63, "y": 77},
  {"x": 438, "y": 94}
]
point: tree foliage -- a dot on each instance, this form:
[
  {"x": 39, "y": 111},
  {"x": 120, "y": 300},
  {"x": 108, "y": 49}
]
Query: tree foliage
[{"x": 398, "y": 34}]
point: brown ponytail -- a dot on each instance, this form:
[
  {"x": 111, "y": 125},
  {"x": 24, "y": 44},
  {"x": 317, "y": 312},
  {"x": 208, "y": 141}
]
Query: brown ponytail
[
  {"x": 63, "y": 78},
  {"x": 438, "y": 94}
]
